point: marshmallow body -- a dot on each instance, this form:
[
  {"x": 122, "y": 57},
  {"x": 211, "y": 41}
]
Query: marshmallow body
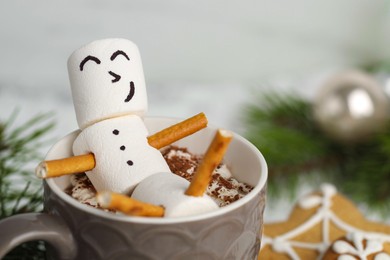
[
  {"x": 107, "y": 80},
  {"x": 168, "y": 190},
  {"x": 122, "y": 153}
]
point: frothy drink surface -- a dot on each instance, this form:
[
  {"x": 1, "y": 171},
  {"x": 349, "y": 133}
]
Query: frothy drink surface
[{"x": 223, "y": 188}]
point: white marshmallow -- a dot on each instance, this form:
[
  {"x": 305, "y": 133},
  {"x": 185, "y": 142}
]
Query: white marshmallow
[
  {"x": 107, "y": 80},
  {"x": 122, "y": 153},
  {"x": 168, "y": 190}
]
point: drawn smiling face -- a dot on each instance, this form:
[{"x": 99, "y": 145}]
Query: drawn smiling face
[
  {"x": 107, "y": 80},
  {"x": 115, "y": 76}
]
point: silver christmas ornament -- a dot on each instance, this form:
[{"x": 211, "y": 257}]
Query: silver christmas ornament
[{"x": 351, "y": 107}]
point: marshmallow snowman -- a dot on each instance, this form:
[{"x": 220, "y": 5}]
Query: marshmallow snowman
[{"x": 109, "y": 96}]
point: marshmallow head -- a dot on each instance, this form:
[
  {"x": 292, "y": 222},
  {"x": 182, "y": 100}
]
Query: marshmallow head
[{"x": 107, "y": 80}]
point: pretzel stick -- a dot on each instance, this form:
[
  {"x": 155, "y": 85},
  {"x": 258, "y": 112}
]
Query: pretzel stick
[
  {"x": 70, "y": 165},
  {"x": 178, "y": 131},
  {"x": 210, "y": 161},
  {"x": 82, "y": 163},
  {"x": 127, "y": 205}
]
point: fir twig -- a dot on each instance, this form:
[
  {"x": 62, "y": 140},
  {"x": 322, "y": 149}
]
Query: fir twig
[
  {"x": 283, "y": 128},
  {"x": 20, "y": 191}
]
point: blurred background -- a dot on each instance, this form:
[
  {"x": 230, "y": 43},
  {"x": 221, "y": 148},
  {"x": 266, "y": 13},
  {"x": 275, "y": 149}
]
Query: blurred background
[
  {"x": 199, "y": 55},
  {"x": 209, "y": 56}
]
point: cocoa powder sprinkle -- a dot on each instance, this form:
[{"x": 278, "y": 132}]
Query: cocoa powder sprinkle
[{"x": 223, "y": 188}]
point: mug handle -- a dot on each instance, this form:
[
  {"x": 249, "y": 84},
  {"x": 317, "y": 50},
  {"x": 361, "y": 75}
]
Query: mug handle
[{"x": 26, "y": 227}]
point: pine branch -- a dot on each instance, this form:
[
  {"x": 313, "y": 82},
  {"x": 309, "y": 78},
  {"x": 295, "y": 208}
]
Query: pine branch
[
  {"x": 20, "y": 191},
  {"x": 284, "y": 130},
  {"x": 282, "y": 127}
]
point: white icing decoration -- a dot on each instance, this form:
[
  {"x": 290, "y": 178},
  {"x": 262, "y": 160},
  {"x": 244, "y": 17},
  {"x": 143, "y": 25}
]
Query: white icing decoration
[
  {"x": 310, "y": 202},
  {"x": 324, "y": 215},
  {"x": 357, "y": 247},
  {"x": 342, "y": 247},
  {"x": 283, "y": 246},
  {"x": 375, "y": 246},
  {"x": 382, "y": 256},
  {"x": 328, "y": 189},
  {"x": 346, "y": 257}
]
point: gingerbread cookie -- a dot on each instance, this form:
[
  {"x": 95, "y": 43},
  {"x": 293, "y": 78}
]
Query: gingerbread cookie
[
  {"x": 357, "y": 245},
  {"x": 314, "y": 224}
]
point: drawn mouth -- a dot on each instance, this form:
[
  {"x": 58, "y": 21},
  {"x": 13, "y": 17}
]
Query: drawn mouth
[{"x": 131, "y": 92}]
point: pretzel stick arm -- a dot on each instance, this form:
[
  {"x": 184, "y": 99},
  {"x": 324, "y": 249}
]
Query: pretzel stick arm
[
  {"x": 178, "y": 131},
  {"x": 70, "y": 165},
  {"x": 128, "y": 206},
  {"x": 211, "y": 160}
]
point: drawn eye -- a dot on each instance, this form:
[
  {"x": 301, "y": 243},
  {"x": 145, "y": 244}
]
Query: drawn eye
[
  {"x": 86, "y": 59},
  {"x": 119, "y": 52}
]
